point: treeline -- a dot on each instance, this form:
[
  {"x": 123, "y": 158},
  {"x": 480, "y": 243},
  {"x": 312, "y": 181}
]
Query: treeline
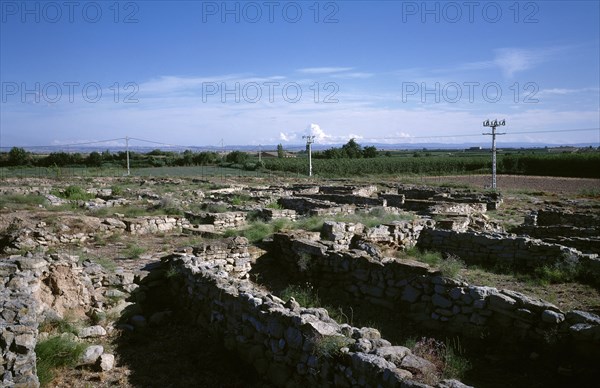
[
  {"x": 350, "y": 150},
  {"x": 20, "y": 157},
  {"x": 582, "y": 165}
]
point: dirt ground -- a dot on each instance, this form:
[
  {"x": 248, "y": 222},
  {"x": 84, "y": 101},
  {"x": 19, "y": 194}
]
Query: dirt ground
[{"x": 545, "y": 184}]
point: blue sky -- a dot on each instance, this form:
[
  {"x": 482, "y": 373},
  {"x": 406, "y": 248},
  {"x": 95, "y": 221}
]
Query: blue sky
[{"x": 198, "y": 73}]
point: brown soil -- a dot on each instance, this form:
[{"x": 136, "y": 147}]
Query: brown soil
[{"x": 556, "y": 185}]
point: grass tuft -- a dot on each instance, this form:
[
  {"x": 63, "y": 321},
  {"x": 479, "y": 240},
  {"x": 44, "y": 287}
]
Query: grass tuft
[
  {"x": 54, "y": 353},
  {"x": 330, "y": 346}
]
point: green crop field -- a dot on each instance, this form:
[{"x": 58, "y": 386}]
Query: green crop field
[
  {"x": 394, "y": 163},
  {"x": 582, "y": 165},
  {"x": 91, "y": 172}
]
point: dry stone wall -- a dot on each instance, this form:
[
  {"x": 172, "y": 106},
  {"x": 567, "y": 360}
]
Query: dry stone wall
[
  {"x": 283, "y": 341},
  {"x": 19, "y": 321},
  {"x": 505, "y": 249},
  {"x": 221, "y": 221},
  {"x": 148, "y": 225},
  {"x": 434, "y": 301}
]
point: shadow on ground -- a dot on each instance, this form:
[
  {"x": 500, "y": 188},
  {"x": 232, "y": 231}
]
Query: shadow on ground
[
  {"x": 178, "y": 354},
  {"x": 495, "y": 364}
]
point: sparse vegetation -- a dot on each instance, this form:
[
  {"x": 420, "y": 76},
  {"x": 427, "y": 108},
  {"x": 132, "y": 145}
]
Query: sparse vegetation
[
  {"x": 17, "y": 201},
  {"x": 451, "y": 266},
  {"x": 133, "y": 251},
  {"x": 330, "y": 346},
  {"x": 305, "y": 296},
  {"x": 73, "y": 193},
  {"x": 53, "y": 353},
  {"x": 447, "y": 357}
]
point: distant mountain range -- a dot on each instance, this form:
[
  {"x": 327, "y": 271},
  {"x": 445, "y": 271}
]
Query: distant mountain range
[{"x": 298, "y": 147}]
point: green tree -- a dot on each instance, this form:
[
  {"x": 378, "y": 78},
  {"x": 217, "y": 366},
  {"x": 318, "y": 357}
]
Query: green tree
[
  {"x": 280, "y": 153},
  {"x": 352, "y": 149},
  {"x": 17, "y": 156},
  {"x": 237, "y": 157},
  {"x": 94, "y": 159},
  {"x": 370, "y": 152},
  {"x": 187, "y": 158}
]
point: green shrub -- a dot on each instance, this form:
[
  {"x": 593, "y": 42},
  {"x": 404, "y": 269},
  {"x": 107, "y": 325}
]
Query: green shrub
[
  {"x": 241, "y": 199},
  {"x": 117, "y": 191},
  {"x": 313, "y": 223},
  {"x": 429, "y": 257},
  {"x": 216, "y": 208},
  {"x": 134, "y": 251},
  {"x": 451, "y": 266},
  {"x": 76, "y": 193},
  {"x": 64, "y": 325},
  {"x": 169, "y": 206},
  {"x": 558, "y": 273},
  {"x": 274, "y": 205}
]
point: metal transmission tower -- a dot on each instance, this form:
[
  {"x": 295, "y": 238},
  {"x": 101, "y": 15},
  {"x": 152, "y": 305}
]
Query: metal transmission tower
[
  {"x": 309, "y": 140},
  {"x": 493, "y": 125}
]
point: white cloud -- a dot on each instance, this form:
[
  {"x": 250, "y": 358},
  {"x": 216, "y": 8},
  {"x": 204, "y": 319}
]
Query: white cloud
[
  {"x": 512, "y": 60},
  {"x": 563, "y": 91},
  {"x": 324, "y": 70},
  {"x": 320, "y": 136},
  {"x": 356, "y": 75},
  {"x": 509, "y": 60}
]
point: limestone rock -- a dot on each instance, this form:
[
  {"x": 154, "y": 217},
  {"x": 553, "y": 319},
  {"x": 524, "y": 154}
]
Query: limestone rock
[
  {"x": 393, "y": 354},
  {"x": 417, "y": 365},
  {"x": 91, "y": 354},
  {"x": 92, "y": 332},
  {"x": 106, "y": 362}
]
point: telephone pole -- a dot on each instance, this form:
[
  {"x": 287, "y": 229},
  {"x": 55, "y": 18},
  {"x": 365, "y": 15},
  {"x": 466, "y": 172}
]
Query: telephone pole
[
  {"x": 493, "y": 125},
  {"x": 309, "y": 140},
  {"x": 127, "y": 150}
]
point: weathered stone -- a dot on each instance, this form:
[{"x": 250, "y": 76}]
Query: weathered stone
[
  {"x": 503, "y": 302},
  {"x": 481, "y": 292},
  {"x": 410, "y": 294},
  {"x": 92, "y": 332},
  {"x": 577, "y": 316},
  {"x": 416, "y": 364},
  {"x": 24, "y": 343},
  {"x": 32, "y": 263},
  {"x": 550, "y": 316},
  {"x": 393, "y": 354},
  {"x": 440, "y": 301},
  {"x": 91, "y": 354},
  {"x": 452, "y": 384},
  {"x": 106, "y": 362},
  {"x": 364, "y": 363}
]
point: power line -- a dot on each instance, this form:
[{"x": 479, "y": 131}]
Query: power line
[
  {"x": 71, "y": 144},
  {"x": 299, "y": 147},
  {"x": 477, "y": 134}
]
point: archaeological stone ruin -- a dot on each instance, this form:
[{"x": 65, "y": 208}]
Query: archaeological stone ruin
[{"x": 359, "y": 254}]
